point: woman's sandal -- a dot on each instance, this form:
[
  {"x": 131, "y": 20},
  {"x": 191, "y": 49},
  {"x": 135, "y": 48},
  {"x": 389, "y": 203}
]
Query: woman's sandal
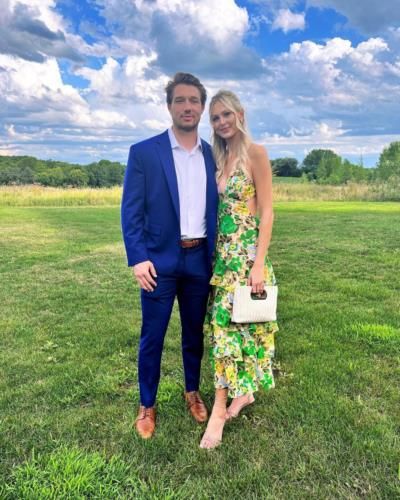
[{"x": 233, "y": 414}]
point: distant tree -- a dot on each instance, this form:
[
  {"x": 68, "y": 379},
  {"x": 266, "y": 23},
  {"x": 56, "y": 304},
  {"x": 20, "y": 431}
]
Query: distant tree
[
  {"x": 26, "y": 175},
  {"x": 371, "y": 174},
  {"x": 54, "y": 177},
  {"x": 43, "y": 178},
  {"x": 321, "y": 171},
  {"x": 9, "y": 175},
  {"x": 359, "y": 173},
  {"x": 27, "y": 162},
  {"x": 97, "y": 173},
  {"x": 76, "y": 177},
  {"x": 115, "y": 174},
  {"x": 332, "y": 169},
  {"x": 389, "y": 161},
  {"x": 329, "y": 170},
  {"x": 312, "y": 161},
  {"x": 286, "y": 167}
]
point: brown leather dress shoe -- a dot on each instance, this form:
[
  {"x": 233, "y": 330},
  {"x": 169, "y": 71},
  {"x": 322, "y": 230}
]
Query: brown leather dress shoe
[
  {"x": 145, "y": 422},
  {"x": 196, "y": 406}
]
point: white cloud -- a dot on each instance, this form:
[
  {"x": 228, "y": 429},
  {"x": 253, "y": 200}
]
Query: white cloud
[
  {"x": 329, "y": 53},
  {"x": 25, "y": 83},
  {"x": 334, "y": 94},
  {"x": 127, "y": 80},
  {"x": 327, "y": 136},
  {"x": 320, "y": 133},
  {"x": 14, "y": 135},
  {"x": 156, "y": 125},
  {"x": 202, "y": 37},
  {"x": 287, "y": 20},
  {"x": 101, "y": 118},
  {"x": 45, "y": 12},
  {"x": 5, "y": 150},
  {"x": 364, "y": 56},
  {"x": 33, "y": 30},
  {"x": 335, "y": 72},
  {"x": 370, "y": 16},
  {"x": 102, "y": 79},
  {"x": 223, "y": 22},
  {"x": 394, "y": 68},
  {"x": 34, "y": 93}
]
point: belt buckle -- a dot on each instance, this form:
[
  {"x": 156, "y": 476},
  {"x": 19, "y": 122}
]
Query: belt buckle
[{"x": 190, "y": 243}]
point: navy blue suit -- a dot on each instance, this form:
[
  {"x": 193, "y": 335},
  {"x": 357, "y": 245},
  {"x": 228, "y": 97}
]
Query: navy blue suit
[{"x": 151, "y": 230}]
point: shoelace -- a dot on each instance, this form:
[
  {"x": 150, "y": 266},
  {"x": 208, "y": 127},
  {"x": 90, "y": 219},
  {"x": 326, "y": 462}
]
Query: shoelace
[
  {"x": 194, "y": 399},
  {"x": 145, "y": 412}
]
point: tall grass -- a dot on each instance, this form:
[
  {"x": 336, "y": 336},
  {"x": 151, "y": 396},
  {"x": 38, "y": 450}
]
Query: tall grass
[
  {"x": 40, "y": 196},
  {"x": 288, "y": 180},
  {"x": 378, "y": 191}
]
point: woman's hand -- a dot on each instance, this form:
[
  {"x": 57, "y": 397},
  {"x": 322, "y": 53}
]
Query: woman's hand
[{"x": 256, "y": 278}]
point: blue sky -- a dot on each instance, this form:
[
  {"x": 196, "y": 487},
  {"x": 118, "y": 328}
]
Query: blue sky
[{"x": 82, "y": 80}]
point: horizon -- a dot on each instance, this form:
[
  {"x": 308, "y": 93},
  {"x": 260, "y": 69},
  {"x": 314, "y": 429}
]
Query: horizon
[{"x": 300, "y": 163}]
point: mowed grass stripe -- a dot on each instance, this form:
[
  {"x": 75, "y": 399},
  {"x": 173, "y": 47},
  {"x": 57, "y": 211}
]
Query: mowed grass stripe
[{"x": 69, "y": 329}]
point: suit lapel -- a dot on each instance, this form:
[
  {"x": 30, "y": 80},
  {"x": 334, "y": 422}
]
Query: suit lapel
[
  {"x": 211, "y": 199},
  {"x": 210, "y": 171},
  {"x": 167, "y": 161}
]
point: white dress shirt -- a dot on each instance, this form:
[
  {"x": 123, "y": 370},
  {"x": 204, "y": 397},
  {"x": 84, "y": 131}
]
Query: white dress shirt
[{"x": 192, "y": 178}]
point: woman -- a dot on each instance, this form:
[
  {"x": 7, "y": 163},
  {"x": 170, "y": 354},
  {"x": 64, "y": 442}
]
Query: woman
[{"x": 241, "y": 353}]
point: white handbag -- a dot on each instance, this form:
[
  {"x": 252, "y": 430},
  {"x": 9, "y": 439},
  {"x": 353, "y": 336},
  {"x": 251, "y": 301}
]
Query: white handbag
[{"x": 254, "y": 308}]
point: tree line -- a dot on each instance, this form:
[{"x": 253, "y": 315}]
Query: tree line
[
  {"x": 323, "y": 166},
  {"x": 30, "y": 170}
]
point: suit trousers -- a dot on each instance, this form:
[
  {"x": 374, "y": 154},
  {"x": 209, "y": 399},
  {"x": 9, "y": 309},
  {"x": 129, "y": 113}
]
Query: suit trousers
[{"x": 190, "y": 284}]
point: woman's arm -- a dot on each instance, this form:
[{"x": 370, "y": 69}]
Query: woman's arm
[{"x": 261, "y": 172}]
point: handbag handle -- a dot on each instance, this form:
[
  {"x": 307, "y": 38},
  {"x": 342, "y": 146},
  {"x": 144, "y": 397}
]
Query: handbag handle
[{"x": 258, "y": 295}]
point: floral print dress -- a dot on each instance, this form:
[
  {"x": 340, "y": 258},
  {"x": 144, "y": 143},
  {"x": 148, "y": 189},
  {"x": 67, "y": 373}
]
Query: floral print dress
[{"x": 241, "y": 353}]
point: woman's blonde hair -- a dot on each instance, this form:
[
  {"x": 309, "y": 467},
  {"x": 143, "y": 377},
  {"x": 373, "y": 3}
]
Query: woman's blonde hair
[{"x": 219, "y": 146}]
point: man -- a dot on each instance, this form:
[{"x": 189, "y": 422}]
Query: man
[{"x": 169, "y": 212}]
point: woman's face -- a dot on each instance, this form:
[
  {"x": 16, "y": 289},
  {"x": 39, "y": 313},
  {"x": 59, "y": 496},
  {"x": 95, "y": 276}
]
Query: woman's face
[{"x": 223, "y": 121}]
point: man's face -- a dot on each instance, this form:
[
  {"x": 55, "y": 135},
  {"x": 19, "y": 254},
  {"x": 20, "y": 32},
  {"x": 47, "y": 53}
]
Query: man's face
[{"x": 186, "y": 108}]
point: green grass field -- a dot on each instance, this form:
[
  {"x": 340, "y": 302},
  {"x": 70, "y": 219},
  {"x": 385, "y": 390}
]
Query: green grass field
[{"x": 69, "y": 327}]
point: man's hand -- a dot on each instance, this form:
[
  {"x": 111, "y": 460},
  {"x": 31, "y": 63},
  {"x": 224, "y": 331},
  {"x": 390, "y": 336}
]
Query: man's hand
[{"x": 144, "y": 273}]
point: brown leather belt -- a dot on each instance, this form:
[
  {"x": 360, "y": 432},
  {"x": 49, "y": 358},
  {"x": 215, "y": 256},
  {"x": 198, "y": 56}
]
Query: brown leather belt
[{"x": 192, "y": 243}]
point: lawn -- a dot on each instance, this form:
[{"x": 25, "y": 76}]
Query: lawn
[{"x": 69, "y": 329}]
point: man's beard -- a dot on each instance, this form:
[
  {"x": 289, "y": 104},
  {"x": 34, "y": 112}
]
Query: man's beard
[{"x": 186, "y": 128}]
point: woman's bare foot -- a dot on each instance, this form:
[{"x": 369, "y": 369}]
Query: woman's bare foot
[
  {"x": 213, "y": 435},
  {"x": 215, "y": 427},
  {"x": 238, "y": 404}
]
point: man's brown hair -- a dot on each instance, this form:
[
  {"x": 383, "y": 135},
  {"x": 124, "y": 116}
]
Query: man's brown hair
[{"x": 186, "y": 79}]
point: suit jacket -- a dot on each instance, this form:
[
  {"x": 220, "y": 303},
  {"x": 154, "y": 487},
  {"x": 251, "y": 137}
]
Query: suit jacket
[{"x": 150, "y": 204}]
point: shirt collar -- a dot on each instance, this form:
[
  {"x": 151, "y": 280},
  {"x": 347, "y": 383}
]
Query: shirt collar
[{"x": 175, "y": 144}]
